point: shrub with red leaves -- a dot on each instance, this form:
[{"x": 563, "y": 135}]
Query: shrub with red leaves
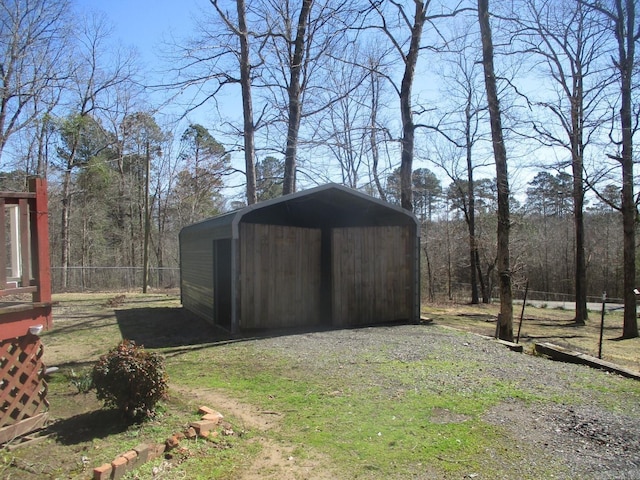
[{"x": 131, "y": 380}]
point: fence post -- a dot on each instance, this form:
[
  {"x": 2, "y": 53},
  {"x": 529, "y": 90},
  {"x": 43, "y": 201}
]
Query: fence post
[{"x": 604, "y": 301}]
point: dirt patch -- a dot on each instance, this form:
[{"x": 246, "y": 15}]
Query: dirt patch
[
  {"x": 590, "y": 440},
  {"x": 276, "y": 459},
  {"x": 444, "y": 415}
]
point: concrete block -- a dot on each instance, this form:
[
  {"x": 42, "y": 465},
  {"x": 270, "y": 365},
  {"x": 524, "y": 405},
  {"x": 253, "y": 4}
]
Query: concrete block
[
  {"x": 143, "y": 452},
  {"x": 156, "y": 450}
]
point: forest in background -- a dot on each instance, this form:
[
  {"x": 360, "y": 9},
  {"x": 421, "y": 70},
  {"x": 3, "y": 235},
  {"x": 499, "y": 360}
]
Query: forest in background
[{"x": 384, "y": 96}]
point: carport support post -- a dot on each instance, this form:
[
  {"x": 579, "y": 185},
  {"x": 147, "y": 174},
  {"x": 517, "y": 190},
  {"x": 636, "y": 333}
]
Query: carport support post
[{"x": 604, "y": 302}]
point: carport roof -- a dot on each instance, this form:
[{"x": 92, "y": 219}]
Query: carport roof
[{"x": 329, "y": 205}]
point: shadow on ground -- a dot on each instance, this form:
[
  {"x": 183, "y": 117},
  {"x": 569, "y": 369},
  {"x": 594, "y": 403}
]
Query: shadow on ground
[
  {"x": 164, "y": 327},
  {"x": 85, "y": 427},
  {"x": 174, "y": 327}
]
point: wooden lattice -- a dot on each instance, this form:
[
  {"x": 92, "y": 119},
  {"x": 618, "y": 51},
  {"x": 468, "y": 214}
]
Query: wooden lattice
[{"x": 23, "y": 389}]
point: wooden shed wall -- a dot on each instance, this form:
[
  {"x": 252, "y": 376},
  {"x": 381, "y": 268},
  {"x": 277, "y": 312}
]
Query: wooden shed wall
[
  {"x": 280, "y": 276},
  {"x": 372, "y": 271},
  {"x": 196, "y": 258}
]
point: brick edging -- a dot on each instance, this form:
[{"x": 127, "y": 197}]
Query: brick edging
[{"x": 146, "y": 452}]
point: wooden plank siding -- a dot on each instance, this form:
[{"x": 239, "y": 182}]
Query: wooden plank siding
[
  {"x": 372, "y": 275},
  {"x": 279, "y": 276}
]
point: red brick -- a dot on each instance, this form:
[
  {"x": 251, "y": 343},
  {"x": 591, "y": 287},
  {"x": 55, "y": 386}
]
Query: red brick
[
  {"x": 171, "y": 442},
  {"x": 119, "y": 466},
  {"x": 130, "y": 455},
  {"x": 103, "y": 472},
  {"x": 132, "y": 459},
  {"x": 190, "y": 433},
  {"x": 204, "y": 410},
  {"x": 213, "y": 417},
  {"x": 203, "y": 426}
]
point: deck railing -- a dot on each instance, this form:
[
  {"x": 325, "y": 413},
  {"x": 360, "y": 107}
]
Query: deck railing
[{"x": 24, "y": 260}]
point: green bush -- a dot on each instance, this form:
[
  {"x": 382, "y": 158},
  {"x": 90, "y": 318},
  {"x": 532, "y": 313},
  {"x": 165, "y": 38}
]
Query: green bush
[
  {"x": 83, "y": 381},
  {"x": 131, "y": 380}
]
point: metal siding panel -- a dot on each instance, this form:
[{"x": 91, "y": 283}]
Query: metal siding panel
[{"x": 196, "y": 253}]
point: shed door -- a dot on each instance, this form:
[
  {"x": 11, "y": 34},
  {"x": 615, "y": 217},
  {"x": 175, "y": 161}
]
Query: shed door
[
  {"x": 280, "y": 276},
  {"x": 371, "y": 275}
]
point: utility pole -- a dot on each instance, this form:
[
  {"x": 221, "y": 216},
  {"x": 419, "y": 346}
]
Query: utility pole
[{"x": 147, "y": 223}]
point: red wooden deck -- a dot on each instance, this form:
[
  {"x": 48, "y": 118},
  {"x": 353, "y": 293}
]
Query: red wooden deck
[
  {"x": 25, "y": 305},
  {"x": 16, "y": 314}
]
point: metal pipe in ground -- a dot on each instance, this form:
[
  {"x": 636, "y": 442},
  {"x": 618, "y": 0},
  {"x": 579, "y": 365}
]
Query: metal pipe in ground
[
  {"x": 524, "y": 302},
  {"x": 604, "y": 302}
]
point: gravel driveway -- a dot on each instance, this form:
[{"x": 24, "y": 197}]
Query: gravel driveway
[{"x": 590, "y": 423}]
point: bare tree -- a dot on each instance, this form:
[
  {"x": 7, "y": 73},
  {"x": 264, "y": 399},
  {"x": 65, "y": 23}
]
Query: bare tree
[
  {"x": 414, "y": 22},
  {"x": 405, "y": 36},
  {"x": 145, "y": 141},
  {"x": 505, "y": 319},
  {"x": 343, "y": 128},
  {"x": 34, "y": 58},
  {"x": 621, "y": 18},
  {"x": 240, "y": 30},
  {"x": 91, "y": 85},
  {"x": 461, "y": 125},
  {"x": 375, "y": 92},
  {"x": 294, "y": 89},
  {"x": 221, "y": 56},
  {"x": 300, "y": 41},
  {"x": 571, "y": 43}
]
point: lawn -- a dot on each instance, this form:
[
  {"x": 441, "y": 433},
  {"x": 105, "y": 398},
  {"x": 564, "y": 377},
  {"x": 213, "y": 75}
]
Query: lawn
[
  {"x": 405, "y": 401},
  {"x": 546, "y": 325}
]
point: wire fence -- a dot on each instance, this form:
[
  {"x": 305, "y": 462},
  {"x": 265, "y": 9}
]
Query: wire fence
[
  {"x": 461, "y": 293},
  {"x": 81, "y": 279}
]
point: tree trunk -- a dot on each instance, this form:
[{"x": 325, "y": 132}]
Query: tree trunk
[
  {"x": 64, "y": 228},
  {"x": 408, "y": 127},
  {"x": 147, "y": 222},
  {"x": 626, "y": 47},
  {"x": 471, "y": 216},
  {"x": 373, "y": 138},
  {"x": 577, "y": 160},
  {"x": 580, "y": 267},
  {"x": 247, "y": 104},
  {"x": 295, "y": 107},
  {"x": 505, "y": 327}
]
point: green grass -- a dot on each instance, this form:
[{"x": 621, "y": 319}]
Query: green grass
[
  {"x": 365, "y": 430},
  {"x": 369, "y": 416}
]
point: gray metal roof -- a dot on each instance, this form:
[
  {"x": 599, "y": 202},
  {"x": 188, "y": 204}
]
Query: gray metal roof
[{"x": 329, "y": 205}]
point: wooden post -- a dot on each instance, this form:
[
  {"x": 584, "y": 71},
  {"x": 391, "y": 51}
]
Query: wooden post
[
  {"x": 40, "y": 244},
  {"x": 23, "y": 226},
  {"x": 14, "y": 239},
  {"x": 3, "y": 254}
]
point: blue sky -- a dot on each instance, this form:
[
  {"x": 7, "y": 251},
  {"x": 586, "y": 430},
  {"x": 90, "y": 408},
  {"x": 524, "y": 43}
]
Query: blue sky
[{"x": 143, "y": 24}]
